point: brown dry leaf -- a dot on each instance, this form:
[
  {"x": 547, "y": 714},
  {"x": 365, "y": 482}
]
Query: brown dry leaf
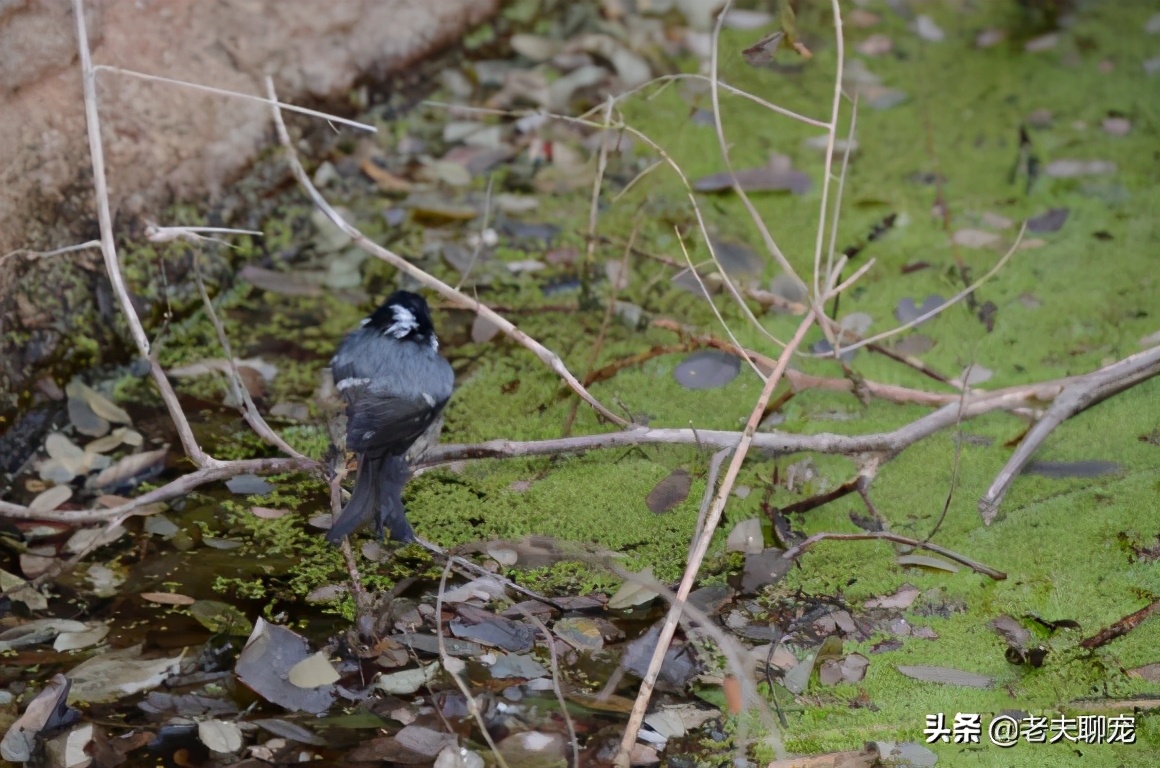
[
  {"x": 33, "y": 566},
  {"x": 926, "y": 561},
  {"x": 633, "y": 593},
  {"x": 100, "y": 405},
  {"x": 902, "y": 598},
  {"x": 1149, "y": 672},
  {"x": 669, "y": 492},
  {"x": 867, "y": 757},
  {"x": 876, "y": 45},
  {"x": 50, "y": 499},
  {"x": 266, "y": 513},
  {"x": 299, "y": 283},
  {"x": 975, "y": 238},
  {"x": 777, "y": 176},
  {"x": 946, "y": 675},
  {"x": 734, "y": 700},
  {"x": 168, "y": 598},
  {"x": 129, "y": 467},
  {"x": 1012, "y": 631},
  {"x": 863, "y": 19},
  {"x": 763, "y": 50},
  {"x": 386, "y": 181}
]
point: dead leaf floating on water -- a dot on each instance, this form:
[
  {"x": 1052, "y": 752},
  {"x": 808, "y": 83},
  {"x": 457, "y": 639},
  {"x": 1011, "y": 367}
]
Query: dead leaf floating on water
[
  {"x": 737, "y": 259},
  {"x": 1051, "y": 220},
  {"x": 926, "y": 28},
  {"x": 902, "y": 598},
  {"x": 633, "y": 593},
  {"x": 264, "y": 666},
  {"x": 876, "y": 45},
  {"x": 976, "y": 374},
  {"x": 221, "y": 736},
  {"x": 746, "y": 537},
  {"x": 50, "y": 499},
  {"x": 1062, "y": 469},
  {"x": 947, "y": 676},
  {"x": 116, "y": 674},
  {"x": 907, "y": 311},
  {"x": 926, "y": 561},
  {"x": 669, "y": 492},
  {"x": 249, "y": 485},
  {"x": 48, "y": 711},
  {"x": 777, "y": 176},
  {"x": 1070, "y": 169},
  {"x": 128, "y": 468},
  {"x": 708, "y": 369},
  {"x": 975, "y": 238}
]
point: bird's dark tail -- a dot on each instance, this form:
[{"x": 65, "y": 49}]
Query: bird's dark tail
[{"x": 378, "y": 494}]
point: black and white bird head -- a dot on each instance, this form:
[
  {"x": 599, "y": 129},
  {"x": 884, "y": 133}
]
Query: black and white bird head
[{"x": 404, "y": 316}]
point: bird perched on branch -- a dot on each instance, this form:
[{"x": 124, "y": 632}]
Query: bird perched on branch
[{"x": 395, "y": 384}]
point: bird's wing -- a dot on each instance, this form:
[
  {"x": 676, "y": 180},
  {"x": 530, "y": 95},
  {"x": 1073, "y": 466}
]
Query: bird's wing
[{"x": 379, "y": 425}]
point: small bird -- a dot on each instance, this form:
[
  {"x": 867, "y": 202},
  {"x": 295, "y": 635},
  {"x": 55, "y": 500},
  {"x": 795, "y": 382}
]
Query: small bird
[{"x": 395, "y": 384}]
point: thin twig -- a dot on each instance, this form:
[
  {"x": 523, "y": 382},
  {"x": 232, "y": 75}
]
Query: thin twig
[
  {"x": 182, "y": 486},
  {"x": 109, "y": 248},
  {"x": 573, "y": 744},
  {"x": 598, "y": 345},
  {"x": 794, "y": 552},
  {"x": 723, "y": 145},
  {"x": 240, "y": 392},
  {"x": 469, "y": 700},
  {"x": 236, "y": 95},
  {"x": 708, "y": 298},
  {"x": 55, "y": 252},
  {"x": 640, "y": 706}
]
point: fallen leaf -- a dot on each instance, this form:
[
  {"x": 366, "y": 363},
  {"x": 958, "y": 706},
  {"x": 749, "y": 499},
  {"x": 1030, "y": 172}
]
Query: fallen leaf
[
  {"x": 1042, "y": 43},
  {"x": 313, "y": 671},
  {"x": 116, "y": 674},
  {"x": 669, "y": 492},
  {"x": 265, "y": 663},
  {"x": 876, "y": 45},
  {"x": 926, "y": 561},
  {"x": 907, "y": 311},
  {"x": 1061, "y": 469},
  {"x": 1068, "y": 169},
  {"x": 1048, "y": 221},
  {"x": 50, "y": 499},
  {"x": 168, "y": 598},
  {"x": 708, "y": 369},
  {"x": 128, "y": 468},
  {"x": 46, "y": 712},
  {"x": 926, "y": 28},
  {"x": 776, "y": 176},
  {"x": 975, "y": 238},
  {"x": 633, "y": 593},
  {"x": 221, "y": 736},
  {"x": 1117, "y": 126},
  {"x": 746, "y": 537},
  {"x": 946, "y": 675},
  {"x": 902, "y": 598}
]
